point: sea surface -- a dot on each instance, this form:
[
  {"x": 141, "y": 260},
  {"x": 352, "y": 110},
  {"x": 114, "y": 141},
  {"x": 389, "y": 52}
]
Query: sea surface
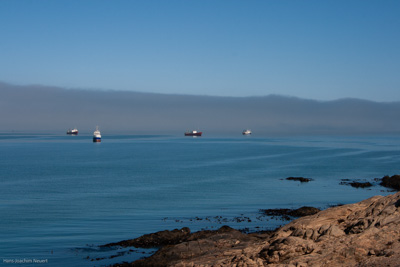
[{"x": 61, "y": 197}]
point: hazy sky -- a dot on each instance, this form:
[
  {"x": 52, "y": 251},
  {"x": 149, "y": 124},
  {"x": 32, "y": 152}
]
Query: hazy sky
[{"x": 311, "y": 49}]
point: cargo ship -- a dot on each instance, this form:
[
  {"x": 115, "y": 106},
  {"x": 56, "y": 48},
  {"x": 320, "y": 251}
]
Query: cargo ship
[
  {"x": 193, "y": 133},
  {"x": 96, "y": 135},
  {"x": 73, "y": 131}
]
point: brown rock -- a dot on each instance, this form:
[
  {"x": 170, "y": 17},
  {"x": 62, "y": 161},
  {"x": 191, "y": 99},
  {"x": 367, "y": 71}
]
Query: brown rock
[
  {"x": 158, "y": 239},
  {"x": 362, "y": 234}
]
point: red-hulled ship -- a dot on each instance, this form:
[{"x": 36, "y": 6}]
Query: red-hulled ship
[{"x": 193, "y": 133}]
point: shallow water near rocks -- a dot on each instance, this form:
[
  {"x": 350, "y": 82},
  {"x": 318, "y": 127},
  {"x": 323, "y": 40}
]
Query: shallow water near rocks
[{"x": 63, "y": 196}]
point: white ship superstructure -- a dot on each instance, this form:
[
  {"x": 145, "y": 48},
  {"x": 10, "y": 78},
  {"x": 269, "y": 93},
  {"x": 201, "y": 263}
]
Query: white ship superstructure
[{"x": 97, "y": 135}]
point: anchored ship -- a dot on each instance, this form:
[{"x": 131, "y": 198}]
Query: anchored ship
[
  {"x": 73, "y": 131},
  {"x": 246, "y": 132},
  {"x": 96, "y": 135},
  {"x": 193, "y": 133}
]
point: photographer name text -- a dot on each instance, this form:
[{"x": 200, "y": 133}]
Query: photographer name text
[{"x": 25, "y": 261}]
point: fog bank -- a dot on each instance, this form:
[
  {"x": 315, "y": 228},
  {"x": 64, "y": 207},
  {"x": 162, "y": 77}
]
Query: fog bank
[{"x": 52, "y": 109}]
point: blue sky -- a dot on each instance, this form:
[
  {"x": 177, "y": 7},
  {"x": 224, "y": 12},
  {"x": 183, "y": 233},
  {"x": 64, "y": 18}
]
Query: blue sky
[{"x": 321, "y": 50}]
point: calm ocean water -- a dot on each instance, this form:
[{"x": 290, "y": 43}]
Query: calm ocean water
[{"x": 63, "y": 196}]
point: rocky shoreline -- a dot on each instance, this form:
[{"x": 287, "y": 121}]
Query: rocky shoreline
[{"x": 366, "y": 233}]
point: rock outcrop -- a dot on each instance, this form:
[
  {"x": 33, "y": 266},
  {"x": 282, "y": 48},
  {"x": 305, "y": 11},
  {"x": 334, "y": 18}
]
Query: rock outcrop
[
  {"x": 300, "y": 212},
  {"x": 391, "y": 182},
  {"x": 300, "y": 179},
  {"x": 362, "y": 234},
  {"x": 153, "y": 240}
]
